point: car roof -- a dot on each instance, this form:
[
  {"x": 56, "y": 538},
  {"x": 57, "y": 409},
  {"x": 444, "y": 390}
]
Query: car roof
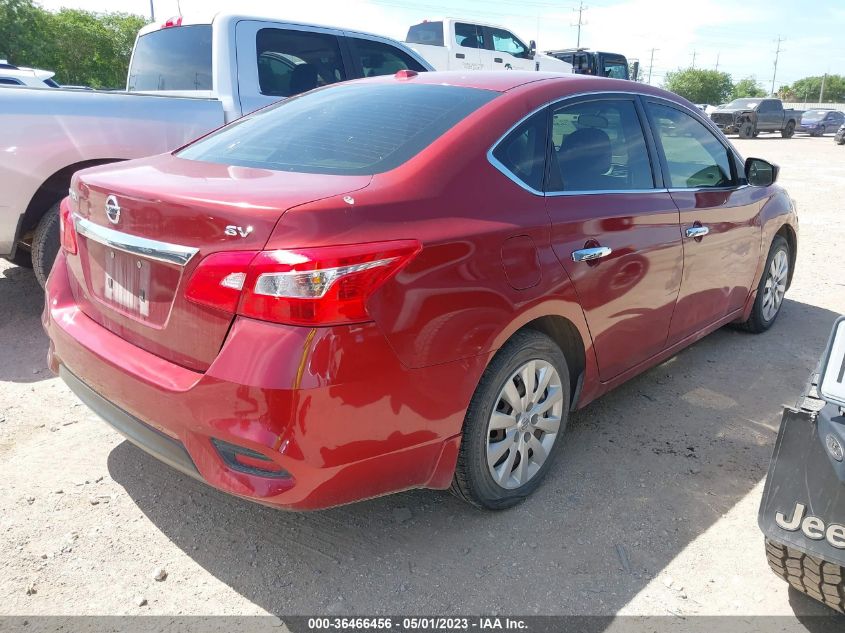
[{"x": 505, "y": 80}]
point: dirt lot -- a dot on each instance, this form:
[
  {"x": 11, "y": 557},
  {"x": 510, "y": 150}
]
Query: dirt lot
[{"x": 651, "y": 510}]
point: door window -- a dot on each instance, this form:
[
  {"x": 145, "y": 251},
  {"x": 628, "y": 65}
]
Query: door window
[
  {"x": 615, "y": 69},
  {"x": 8, "y": 81},
  {"x": 468, "y": 35},
  {"x": 291, "y": 62},
  {"x": 523, "y": 152},
  {"x": 694, "y": 156},
  {"x": 379, "y": 58},
  {"x": 599, "y": 146},
  {"x": 506, "y": 42}
]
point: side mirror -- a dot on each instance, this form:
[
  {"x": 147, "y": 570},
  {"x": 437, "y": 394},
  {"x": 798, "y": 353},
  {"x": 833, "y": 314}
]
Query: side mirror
[
  {"x": 532, "y": 47},
  {"x": 760, "y": 173}
]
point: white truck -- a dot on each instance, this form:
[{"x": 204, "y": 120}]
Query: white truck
[
  {"x": 453, "y": 44},
  {"x": 185, "y": 79}
]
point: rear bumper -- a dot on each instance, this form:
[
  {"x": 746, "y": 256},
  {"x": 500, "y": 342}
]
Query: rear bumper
[{"x": 330, "y": 408}]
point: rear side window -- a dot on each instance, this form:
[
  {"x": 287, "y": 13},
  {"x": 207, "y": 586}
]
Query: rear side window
[
  {"x": 176, "y": 58},
  {"x": 523, "y": 152},
  {"x": 599, "y": 146},
  {"x": 344, "y": 130},
  {"x": 694, "y": 156},
  {"x": 378, "y": 58},
  {"x": 468, "y": 35},
  {"x": 8, "y": 81},
  {"x": 291, "y": 62},
  {"x": 430, "y": 33}
]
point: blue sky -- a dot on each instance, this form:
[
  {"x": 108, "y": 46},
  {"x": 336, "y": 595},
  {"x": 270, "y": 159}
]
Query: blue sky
[{"x": 739, "y": 34}]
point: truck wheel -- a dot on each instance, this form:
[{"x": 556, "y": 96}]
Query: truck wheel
[
  {"x": 811, "y": 576},
  {"x": 789, "y": 130},
  {"x": 514, "y": 423},
  {"x": 45, "y": 244},
  {"x": 746, "y": 130},
  {"x": 771, "y": 289}
]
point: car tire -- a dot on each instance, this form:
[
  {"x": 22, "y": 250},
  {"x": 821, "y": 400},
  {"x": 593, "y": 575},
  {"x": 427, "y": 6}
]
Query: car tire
[
  {"x": 513, "y": 428},
  {"x": 788, "y": 131},
  {"x": 812, "y": 576},
  {"x": 771, "y": 289},
  {"x": 747, "y": 130},
  {"x": 45, "y": 244}
]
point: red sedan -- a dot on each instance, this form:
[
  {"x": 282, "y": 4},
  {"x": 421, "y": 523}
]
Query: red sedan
[{"x": 407, "y": 281}]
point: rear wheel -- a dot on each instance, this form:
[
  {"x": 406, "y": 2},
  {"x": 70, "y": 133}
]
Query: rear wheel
[
  {"x": 771, "y": 289},
  {"x": 789, "y": 130},
  {"x": 811, "y": 576},
  {"x": 514, "y": 423},
  {"x": 45, "y": 244}
]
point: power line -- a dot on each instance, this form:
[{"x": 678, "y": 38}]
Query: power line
[{"x": 777, "y": 54}]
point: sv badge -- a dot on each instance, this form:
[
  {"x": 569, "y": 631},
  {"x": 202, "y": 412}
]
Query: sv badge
[{"x": 234, "y": 231}]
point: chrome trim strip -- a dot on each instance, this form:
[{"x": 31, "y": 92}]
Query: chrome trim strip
[
  {"x": 696, "y": 114},
  {"x": 134, "y": 245}
]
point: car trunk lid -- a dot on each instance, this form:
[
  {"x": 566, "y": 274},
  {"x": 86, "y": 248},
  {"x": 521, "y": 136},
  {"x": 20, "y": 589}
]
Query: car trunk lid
[{"x": 144, "y": 226}]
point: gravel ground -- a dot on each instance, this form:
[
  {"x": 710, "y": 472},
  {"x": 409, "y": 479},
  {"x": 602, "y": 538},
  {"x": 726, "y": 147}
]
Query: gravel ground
[{"x": 651, "y": 510}]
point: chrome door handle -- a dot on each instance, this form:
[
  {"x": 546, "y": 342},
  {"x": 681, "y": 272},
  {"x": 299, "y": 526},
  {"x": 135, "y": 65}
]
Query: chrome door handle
[
  {"x": 589, "y": 254},
  {"x": 697, "y": 231}
]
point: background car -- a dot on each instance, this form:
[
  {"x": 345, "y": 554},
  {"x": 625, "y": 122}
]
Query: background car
[
  {"x": 407, "y": 281},
  {"x": 11, "y": 75},
  {"x": 819, "y": 122}
]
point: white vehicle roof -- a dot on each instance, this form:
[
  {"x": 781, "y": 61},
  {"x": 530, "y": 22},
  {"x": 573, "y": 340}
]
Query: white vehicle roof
[{"x": 27, "y": 76}]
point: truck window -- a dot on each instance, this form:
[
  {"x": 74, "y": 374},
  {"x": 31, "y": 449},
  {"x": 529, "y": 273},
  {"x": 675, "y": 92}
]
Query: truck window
[
  {"x": 582, "y": 64},
  {"x": 8, "y": 81},
  {"x": 599, "y": 146},
  {"x": 506, "y": 42},
  {"x": 468, "y": 35},
  {"x": 430, "y": 33},
  {"x": 175, "y": 58},
  {"x": 379, "y": 58},
  {"x": 291, "y": 61},
  {"x": 350, "y": 129},
  {"x": 615, "y": 68}
]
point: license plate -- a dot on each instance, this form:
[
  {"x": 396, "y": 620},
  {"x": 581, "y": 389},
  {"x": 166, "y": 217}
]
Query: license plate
[{"x": 127, "y": 283}]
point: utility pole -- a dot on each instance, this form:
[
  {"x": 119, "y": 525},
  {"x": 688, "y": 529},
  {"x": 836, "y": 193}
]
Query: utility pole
[
  {"x": 821, "y": 91},
  {"x": 777, "y": 54},
  {"x": 651, "y": 64},
  {"x": 581, "y": 9},
  {"x": 717, "y": 61},
  {"x": 152, "y": 12},
  {"x": 693, "y": 59}
]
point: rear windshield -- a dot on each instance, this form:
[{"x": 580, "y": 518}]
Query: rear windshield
[
  {"x": 344, "y": 129},
  {"x": 176, "y": 58},
  {"x": 426, "y": 33}
]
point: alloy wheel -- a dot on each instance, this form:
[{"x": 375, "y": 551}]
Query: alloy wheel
[
  {"x": 524, "y": 424},
  {"x": 775, "y": 287}
]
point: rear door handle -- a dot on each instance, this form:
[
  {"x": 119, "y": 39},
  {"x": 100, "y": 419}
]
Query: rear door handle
[
  {"x": 589, "y": 254},
  {"x": 694, "y": 232}
]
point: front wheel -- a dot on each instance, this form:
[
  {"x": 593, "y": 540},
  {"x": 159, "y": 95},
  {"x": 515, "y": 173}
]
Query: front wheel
[
  {"x": 771, "y": 289},
  {"x": 514, "y": 423},
  {"x": 788, "y": 131}
]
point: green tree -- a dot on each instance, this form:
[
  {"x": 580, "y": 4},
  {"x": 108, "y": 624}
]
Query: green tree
[
  {"x": 807, "y": 89},
  {"x": 700, "y": 86},
  {"x": 747, "y": 87},
  {"x": 81, "y": 47}
]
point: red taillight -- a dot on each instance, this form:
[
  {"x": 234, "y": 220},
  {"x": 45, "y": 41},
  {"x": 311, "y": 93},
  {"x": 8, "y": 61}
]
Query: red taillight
[
  {"x": 66, "y": 228},
  {"x": 310, "y": 286},
  {"x": 174, "y": 21}
]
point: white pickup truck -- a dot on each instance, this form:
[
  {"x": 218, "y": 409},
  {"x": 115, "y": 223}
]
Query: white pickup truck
[
  {"x": 185, "y": 79},
  {"x": 452, "y": 44}
]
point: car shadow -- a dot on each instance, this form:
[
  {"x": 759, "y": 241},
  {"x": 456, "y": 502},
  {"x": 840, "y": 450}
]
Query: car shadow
[
  {"x": 23, "y": 354},
  {"x": 644, "y": 471}
]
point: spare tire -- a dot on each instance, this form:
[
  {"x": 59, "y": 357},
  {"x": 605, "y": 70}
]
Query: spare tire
[{"x": 812, "y": 576}]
